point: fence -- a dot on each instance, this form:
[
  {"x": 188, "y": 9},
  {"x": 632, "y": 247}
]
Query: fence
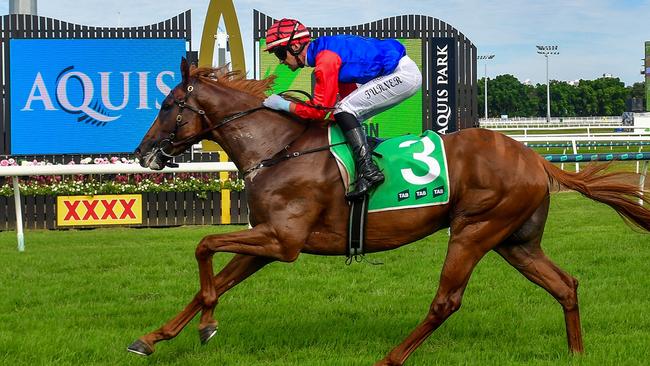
[
  {"x": 185, "y": 208},
  {"x": 160, "y": 209},
  {"x": 576, "y": 158},
  {"x": 629, "y": 133},
  {"x": 575, "y": 142},
  {"x": 178, "y": 208},
  {"x": 554, "y": 122}
]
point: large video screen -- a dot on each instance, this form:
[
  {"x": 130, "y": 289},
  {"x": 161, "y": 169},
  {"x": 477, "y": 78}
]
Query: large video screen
[
  {"x": 88, "y": 95},
  {"x": 404, "y": 118}
]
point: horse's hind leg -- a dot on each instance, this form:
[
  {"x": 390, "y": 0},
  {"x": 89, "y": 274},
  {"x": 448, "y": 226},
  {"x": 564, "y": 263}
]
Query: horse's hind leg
[
  {"x": 533, "y": 263},
  {"x": 468, "y": 244},
  {"x": 238, "y": 269},
  {"x": 522, "y": 250}
]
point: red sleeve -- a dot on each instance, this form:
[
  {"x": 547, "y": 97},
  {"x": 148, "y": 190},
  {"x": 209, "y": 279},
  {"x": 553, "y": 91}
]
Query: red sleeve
[
  {"x": 346, "y": 88},
  {"x": 326, "y": 73}
]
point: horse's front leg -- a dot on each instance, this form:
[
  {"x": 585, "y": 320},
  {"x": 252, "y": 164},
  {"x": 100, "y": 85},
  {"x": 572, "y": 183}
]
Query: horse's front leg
[
  {"x": 238, "y": 269},
  {"x": 261, "y": 241}
]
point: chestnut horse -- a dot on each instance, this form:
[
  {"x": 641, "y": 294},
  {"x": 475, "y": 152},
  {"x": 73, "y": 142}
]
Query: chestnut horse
[{"x": 499, "y": 200}]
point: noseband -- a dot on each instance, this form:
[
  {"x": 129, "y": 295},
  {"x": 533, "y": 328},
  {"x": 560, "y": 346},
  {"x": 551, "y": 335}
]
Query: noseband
[{"x": 182, "y": 104}]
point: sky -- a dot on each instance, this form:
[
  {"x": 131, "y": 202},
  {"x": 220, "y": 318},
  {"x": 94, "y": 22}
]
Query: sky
[{"x": 594, "y": 37}]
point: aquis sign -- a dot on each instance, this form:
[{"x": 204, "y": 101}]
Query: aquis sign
[
  {"x": 88, "y": 95},
  {"x": 443, "y": 97},
  {"x": 99, "y": 210}
]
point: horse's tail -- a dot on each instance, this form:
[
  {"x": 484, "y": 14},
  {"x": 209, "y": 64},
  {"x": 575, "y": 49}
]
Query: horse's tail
[{"x": 610, "y": 188}]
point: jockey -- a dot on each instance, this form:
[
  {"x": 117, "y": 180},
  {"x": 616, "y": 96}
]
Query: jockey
[{"x": 368, "y": 75}]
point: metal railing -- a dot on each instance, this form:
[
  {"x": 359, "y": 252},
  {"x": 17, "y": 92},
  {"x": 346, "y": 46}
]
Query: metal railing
[
  {"x": 527, "y": 122},
  {"x": 16, "y": 171}
]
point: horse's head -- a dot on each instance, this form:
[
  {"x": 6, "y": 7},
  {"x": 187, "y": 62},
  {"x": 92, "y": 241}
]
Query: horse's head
[
  {"x": 179, "y": 124},
  {"x": 202, "y": 106}
]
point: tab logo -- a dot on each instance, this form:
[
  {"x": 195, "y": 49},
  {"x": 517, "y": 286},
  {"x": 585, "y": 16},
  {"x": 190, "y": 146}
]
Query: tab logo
[
  {"x": 420, "y": 193},
  {"x": 99, "y": 210},
  {"x": 403, "y": 195}
]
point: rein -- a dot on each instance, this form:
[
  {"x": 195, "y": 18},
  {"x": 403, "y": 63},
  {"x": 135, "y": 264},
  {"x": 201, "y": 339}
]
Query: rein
[
  {"x": 224, "y": 121},
  {"x": 279, "y": 156},
  {"x": 309, "y": 97},
  {"x": 275, "y": 159},
  {"x": 182, "y": 104}
]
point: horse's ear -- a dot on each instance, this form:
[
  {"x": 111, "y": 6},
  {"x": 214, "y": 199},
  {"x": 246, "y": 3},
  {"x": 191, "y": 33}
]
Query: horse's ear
[{"x": 185, "y": 69}]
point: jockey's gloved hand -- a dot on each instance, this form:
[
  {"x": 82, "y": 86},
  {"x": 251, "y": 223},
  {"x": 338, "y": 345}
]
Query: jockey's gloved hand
[{"x": 276, "y": 102}]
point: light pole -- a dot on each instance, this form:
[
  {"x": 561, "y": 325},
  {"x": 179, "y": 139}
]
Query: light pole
[
  {"x": 546, "y": 51},
  {"x": 486, "y": 58}
]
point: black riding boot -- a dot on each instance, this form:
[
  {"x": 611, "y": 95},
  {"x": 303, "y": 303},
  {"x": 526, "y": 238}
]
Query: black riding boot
[{"x": 368, "y": 175}]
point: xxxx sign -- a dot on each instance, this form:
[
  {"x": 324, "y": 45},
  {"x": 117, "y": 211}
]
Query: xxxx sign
[{"x": 98, "y": 210}]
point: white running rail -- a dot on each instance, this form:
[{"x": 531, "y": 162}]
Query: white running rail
[
  {"x": 17, "y": 171},
  {"x": 521, "y": 122}
]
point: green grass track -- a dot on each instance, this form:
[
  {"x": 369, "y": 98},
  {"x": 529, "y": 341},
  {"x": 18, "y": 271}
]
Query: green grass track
[{"x": 80, "y": 297}]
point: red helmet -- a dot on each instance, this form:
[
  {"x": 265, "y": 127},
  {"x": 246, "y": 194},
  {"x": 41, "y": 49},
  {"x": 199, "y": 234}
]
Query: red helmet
[{"x": 286, "y": 31}]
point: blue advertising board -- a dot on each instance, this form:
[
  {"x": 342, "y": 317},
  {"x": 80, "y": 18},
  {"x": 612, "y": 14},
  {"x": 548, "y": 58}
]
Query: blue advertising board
[{"x": 88, "y": 95}]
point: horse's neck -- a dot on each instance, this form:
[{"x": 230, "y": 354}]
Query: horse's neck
[{"x": 257, "y": 136}]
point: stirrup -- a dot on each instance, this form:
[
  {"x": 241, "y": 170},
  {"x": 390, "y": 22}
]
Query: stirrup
[{"x": 362, "y": 187}]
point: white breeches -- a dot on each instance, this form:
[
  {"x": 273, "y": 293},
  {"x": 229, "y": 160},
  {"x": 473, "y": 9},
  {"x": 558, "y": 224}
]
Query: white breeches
[{"x": 383, "y": 92}]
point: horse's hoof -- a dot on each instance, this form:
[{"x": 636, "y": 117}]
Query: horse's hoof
[
  {"x": 207, "y": 333},
  {"x": 140, "y": 348}
]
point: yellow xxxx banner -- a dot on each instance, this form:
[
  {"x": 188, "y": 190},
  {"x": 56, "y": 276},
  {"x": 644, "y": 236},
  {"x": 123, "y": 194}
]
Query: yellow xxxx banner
[{"x": 98, "y": 210}]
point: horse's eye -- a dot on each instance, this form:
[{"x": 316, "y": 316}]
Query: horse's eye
[{"x": 166, "y": 106}]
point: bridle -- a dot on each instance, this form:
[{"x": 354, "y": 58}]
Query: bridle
[
  {"x": 280, "y": 156},
  {"x": 182, "y": 104}
]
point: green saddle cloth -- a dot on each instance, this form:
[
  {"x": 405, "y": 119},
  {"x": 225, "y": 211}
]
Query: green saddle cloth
[{"x": 415, "y": 168}]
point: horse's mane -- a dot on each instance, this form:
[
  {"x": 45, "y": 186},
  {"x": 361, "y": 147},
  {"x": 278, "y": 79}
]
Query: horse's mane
[{"x": 234, "y": 79}]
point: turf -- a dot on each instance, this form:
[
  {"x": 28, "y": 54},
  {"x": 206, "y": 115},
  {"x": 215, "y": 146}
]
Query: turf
[{"x": 80, "y": 297}]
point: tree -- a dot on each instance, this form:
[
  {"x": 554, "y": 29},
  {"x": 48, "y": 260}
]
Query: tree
[
  {"x": 586, "y": 100},
  {"x": 637, "y": 91},
  {"x": 506, "y": 95},
  {"x": 601, "y": 97},
  {"x": 611, "y": 95},
  {"x": 563, "y": 97}
]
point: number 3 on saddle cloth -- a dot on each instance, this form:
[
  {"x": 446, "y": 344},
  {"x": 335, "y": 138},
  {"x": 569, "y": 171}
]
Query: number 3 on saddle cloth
[{"x": 415, "y": 168}]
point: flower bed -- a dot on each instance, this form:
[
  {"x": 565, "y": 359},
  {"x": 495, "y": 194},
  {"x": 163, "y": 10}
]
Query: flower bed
[
  {"x": 201, "y": 183},
  {"x": 168, "y": 199}
]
